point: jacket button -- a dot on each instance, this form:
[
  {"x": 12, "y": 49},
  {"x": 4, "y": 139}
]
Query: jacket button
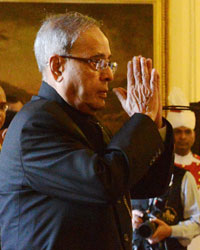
[{"x": 126, "y": 238}]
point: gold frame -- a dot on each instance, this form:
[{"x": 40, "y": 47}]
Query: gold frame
[{"x": 159, "y": 31}]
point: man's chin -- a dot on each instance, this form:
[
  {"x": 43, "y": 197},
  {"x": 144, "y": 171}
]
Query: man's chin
[
  {"x": 182, "y": 147},
  {"x": 97, "y": 106},
  {"x": 91, "y": 108},
  {"x": 182, "y": 151}
]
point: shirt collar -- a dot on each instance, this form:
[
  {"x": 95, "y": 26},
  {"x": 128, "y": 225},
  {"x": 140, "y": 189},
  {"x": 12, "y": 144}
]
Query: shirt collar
[{"x": 184, "y": 160}]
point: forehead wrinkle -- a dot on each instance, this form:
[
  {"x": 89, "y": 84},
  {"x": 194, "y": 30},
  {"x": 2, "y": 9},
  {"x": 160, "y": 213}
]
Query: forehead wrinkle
[{"x": 91, "y": 43}]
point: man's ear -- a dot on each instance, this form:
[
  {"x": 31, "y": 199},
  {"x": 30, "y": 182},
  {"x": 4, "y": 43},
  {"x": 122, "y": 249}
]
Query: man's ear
[{"x": 57, "y": 64}]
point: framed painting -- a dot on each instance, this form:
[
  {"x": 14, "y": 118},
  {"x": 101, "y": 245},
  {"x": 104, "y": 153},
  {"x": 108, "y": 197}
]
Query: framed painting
[{"x": 134, "y": 27}]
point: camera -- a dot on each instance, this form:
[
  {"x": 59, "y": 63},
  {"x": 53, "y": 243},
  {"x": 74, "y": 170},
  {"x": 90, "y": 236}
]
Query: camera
[{"x": 148, "y": 227}]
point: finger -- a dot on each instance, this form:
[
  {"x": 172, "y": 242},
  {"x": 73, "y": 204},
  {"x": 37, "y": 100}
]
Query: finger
[
  {"x": 153, "y": 240},
  {"x": 157, "y": 80},
  {"x": 137, "y": 220},
  {"x": 137, "y": 224},
  {"x": 130, "y": 77},
  {"x": 158, "y": 85},
  {"x": 160, "y": 95},
  {"x": 137, "y": 70},
  {"x": 157, "y": 221},
  {"x": 137, "y": 213},
  {"x": 121, "y": 94},
  {"x": 154, "y": 87},
  {"x": 149, "y": 66},
  {"x": 145, "y": 72},
  {"x": 150, "y": 241},
  {"x": 154, "y": 79}
]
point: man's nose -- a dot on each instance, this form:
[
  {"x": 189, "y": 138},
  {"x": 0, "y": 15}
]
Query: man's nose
[
  {"x": 183, "y": 135},
  {"x": 107, "y": 74}
]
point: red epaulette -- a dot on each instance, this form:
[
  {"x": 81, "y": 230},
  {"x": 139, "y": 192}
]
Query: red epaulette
[{"x": 196, "y": 156}]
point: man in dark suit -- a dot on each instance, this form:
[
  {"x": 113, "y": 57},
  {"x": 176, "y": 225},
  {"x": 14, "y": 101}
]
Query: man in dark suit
[{"x": 64, "y": 183}]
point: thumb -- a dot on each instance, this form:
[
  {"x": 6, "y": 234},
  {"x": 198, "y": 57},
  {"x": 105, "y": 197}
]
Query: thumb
[
  {"x": 157, "y": 221},
  {"x": 121, "y": 94}
]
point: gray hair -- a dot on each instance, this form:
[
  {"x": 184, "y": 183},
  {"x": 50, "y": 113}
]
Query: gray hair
[{"x": 58, "y": 34}]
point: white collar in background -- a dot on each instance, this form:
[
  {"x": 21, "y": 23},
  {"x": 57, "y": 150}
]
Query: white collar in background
[{"x": 186, "y": 159}]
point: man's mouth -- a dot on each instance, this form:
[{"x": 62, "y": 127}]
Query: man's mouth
[{"x": 102, "y": 94}]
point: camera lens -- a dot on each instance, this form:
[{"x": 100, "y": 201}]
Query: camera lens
[{"x": 147, "y": 229}]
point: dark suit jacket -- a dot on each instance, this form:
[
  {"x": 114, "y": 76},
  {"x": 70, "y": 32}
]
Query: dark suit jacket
[{"x": 63, "y": 186}]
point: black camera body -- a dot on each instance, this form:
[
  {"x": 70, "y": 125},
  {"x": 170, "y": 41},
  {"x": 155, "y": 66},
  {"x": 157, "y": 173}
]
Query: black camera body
[
  {"x": 158, "y": 210},
  {"x": 147, "y": 228}
]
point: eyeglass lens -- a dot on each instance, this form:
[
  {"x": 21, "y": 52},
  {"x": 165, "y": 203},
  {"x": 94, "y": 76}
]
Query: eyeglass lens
[{"x": 103, "y": 64}]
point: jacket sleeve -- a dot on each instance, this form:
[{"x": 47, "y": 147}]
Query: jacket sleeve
[
  {"x": 59, "y": 162},
  {"x": 156, "y": 180},
  {"x": 150, "y": 160}
]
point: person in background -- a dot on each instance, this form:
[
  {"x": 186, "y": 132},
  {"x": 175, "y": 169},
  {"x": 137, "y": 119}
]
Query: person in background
[
  {"x": 14, "y": 105},
  {"x": 3, "y": 108},
  {"x": 64, "y": 182},
  {"x": 183, "y": 123},
  {"x": 179, "y": 209},
  {"x": 176, "y": 216}
]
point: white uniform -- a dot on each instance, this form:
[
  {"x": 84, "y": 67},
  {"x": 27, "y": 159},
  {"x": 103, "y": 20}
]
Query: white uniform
[{"x": 191, "y": 162}]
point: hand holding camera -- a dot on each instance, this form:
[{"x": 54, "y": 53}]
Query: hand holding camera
[
  {"x": 162, "y": 231},
  {"x": 154, "y": 225}
]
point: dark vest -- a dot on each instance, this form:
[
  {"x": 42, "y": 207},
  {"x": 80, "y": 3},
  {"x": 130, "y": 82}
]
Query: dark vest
[{"x": 168, "y": 208}]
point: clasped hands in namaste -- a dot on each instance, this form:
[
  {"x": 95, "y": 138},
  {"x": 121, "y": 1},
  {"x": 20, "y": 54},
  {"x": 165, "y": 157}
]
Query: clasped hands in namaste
[{"x": 143, "y": 90}]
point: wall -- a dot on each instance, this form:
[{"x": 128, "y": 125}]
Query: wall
[{"x": 184, "y": 47}]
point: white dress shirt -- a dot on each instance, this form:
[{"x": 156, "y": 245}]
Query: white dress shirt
[{"x": 186, "y": 230}]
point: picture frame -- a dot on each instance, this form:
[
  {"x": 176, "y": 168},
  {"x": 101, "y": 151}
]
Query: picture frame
[{"x": 25, "y": 81}]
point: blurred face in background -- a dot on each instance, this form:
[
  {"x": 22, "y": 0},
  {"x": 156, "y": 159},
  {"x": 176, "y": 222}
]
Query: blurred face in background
[
  {"x": 3, "y": 107},
  {"x": 183, "y": 140}
]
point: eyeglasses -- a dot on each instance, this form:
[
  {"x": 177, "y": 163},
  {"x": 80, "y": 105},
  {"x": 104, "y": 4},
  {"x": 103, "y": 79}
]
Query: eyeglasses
[
  {"x": 96, "y": 64},
  {"x": 3, "y": 106}
]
